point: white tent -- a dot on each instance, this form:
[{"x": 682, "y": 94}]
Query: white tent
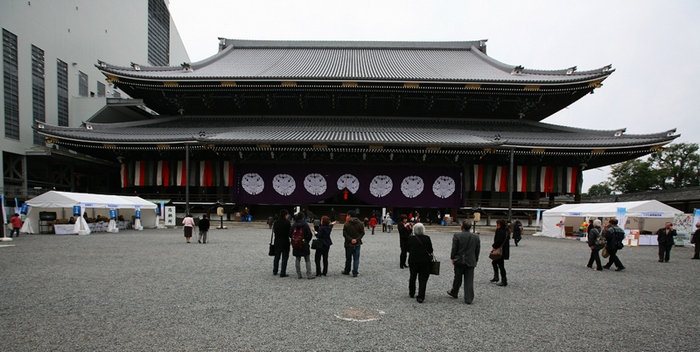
[
  {"x": 573, "y": 215},
  {"x": 94, "y": 204}
]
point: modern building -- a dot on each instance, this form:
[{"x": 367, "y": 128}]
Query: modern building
[
  {"x": 437, "y": 125},
  {"x": 49, "y": 76}
]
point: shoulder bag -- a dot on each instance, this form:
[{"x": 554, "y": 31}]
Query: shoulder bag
[
  {"x": 434, "y": 263},
  {"x": 497, "y": 253},
  {"x": 272, "y": 246}
]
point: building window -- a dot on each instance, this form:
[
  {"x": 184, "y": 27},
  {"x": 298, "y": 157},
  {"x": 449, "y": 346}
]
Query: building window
[
  {"x": 82, "y": 84},
  {"x": 62, "y": 88},
  {"x": 38, "y": 91},
  {"x": 10, "y": 85},
  {"x": 158, "y": 33},
  {"x": 100, "y": 89}
]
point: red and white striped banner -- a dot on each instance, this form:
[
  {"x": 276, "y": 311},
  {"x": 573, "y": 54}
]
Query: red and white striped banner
[
  {"x": 124, "y": 176},
  {"x": 181, "y": 177},
  {"x": 521, "y": 179},
  {"x": 228, "y": 173},
  {"x": 139, "y": 173}
]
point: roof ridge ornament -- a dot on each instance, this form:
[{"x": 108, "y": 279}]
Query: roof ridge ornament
[
  {"x": 186, "y": 67},
  {"x": 136, "y": 66},
  {"x": 517, "y": 70},
  {"x": 571, "y": 70},
  {"x": 607, "y": 68}
]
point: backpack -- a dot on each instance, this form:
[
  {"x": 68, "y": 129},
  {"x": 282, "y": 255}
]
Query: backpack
[
  {"x": 600, "y": 241},
  {"x": 298, "y": 238}
]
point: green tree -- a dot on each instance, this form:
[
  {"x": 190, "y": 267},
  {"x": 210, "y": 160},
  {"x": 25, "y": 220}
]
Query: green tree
[
  {"x": 678, "y": 165},
  {"x": 634, "y": 176},
  {"x": 600, "y": 189}
]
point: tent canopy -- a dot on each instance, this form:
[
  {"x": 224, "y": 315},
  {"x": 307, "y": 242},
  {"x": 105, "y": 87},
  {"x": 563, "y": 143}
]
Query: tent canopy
[
  {"x": 56, "y": 199},
  {"x": 640, "y": 209},
  {"x": 63, "y": 202}
]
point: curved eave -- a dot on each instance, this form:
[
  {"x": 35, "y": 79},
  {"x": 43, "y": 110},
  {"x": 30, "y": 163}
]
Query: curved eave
[{"x": 125, "y": 78}]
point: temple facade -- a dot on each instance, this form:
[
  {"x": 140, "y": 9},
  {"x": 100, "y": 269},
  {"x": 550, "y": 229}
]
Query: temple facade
[{"x": 386, "y": 124}]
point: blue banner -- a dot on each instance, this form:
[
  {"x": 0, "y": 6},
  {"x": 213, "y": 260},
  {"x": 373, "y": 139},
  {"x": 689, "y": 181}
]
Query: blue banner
[
  {"x": 25, "y": 209},
  {"x": 2, "y": 206},
  {"x": 113, "y": 214},
  {"x": 138, "y": 213},
  {"x": 76, "y": 210}
]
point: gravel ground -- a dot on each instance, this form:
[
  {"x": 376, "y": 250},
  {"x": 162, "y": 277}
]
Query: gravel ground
[{"x": 143, "y": 291}]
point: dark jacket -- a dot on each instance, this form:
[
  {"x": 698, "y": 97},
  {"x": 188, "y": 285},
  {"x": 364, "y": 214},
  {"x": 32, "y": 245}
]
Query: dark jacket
[
  {"x": 324, "y": 234},
  {"x": 465, "y": 248},
  {"x": 404, "y": 232},
  {"x": 593, "y": 233},
  {"x": 204, "y": 225},
  {"x": 613, "y": 235},
  {"x": 666, "y": 237},
  {"x": 696, "y": 237},
  {"x": 353, "y": 229},
  {"x": 517, "y": 229},
  {"x": 502, "y": 238},
  {"x": 281, "y": 229},
  {"x": 420, "y": 249},
  {"x": 305, "y": 250}
]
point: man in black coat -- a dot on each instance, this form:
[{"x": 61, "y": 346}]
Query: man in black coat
[
  {"x": 281, "y": 229},
  {"x": 613, "y": 235},
  {"x": 464, "y": 255},
  {"x": 665, "y": 236}
]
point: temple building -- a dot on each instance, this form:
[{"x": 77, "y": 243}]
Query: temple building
[{"x": 410, "y": 125}]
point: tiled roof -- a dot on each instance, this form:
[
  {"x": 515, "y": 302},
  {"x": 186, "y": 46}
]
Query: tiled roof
[
  {"x": 353, "y": 131},
  {"x": 458, "y": 62}
]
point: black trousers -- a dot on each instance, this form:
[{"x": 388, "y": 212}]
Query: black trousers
[
  {"x": 613, "y": 259},
  {"x": 466, "y": 272},
  {"x": 422, "y": 272},
  {"x": 665, "y": 251},
  {"x": 500, "y": 265},
  {"x": 322, "y": 254},
  {"x": 595, "y": 256},
  {"x": 697, "y": 251}
]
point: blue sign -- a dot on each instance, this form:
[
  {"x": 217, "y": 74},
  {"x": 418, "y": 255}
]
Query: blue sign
[
  {"x": 112, "y": 213},
  {"x": 138, "y": 214},
  {"x": 575, "y": 214},
  {"x": 652, "y": 214},
  {"x": 76, "y": 210},
  {"x": 25, "y": 208}
]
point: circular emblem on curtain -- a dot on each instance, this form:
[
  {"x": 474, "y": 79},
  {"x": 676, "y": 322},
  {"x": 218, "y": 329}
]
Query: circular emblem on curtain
[
  {"x": 350, "y": 182},
  {"x": 380, "y": 186},
  {"x": 252, "y": 183},
  {"x": 284, "y": 184},
  {"x": 315, "y": 184},
  {"x": 412, "y": 186},
  {"x": 444, "y": 186}
]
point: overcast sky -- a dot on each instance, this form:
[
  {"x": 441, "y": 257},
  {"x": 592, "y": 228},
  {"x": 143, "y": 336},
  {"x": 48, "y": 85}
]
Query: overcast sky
[{"x": 651, "y": 44}]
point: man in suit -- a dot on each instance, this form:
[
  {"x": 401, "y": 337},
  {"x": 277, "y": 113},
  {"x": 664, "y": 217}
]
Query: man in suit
[
  {"x": 465, "y": 255},
  {"x": 665, "y": 236}
]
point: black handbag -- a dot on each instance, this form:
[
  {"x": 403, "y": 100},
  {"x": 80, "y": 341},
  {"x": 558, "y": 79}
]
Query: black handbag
[
  {"x": 434, "y": 267},
  {"x": 271, "y": 253},
  {"x": 316, "y": 244},
  {"x": 434, "y": 264}
]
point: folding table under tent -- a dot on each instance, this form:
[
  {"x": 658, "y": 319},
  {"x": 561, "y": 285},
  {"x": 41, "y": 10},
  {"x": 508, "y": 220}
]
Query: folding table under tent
[
  {"x": 575, "y": 214},
  {"x": 95, "y": 204}
]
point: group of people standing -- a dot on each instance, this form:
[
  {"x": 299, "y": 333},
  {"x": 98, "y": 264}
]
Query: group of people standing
[
  {"x": 284, "y": 232},
  {"x": 609, "y": 239},
  {"x": 464, "y": 256}
]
